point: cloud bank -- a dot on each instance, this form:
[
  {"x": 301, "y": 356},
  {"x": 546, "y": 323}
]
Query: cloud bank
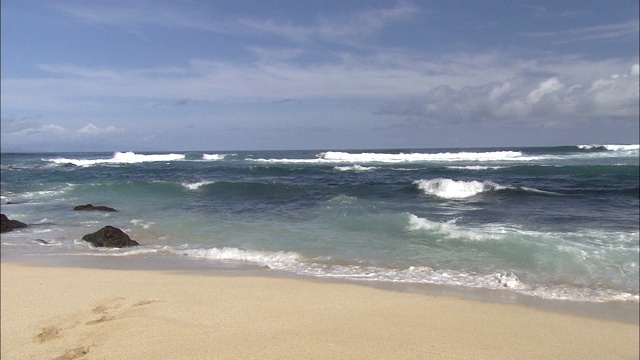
[{"x": 521, "y": 99}]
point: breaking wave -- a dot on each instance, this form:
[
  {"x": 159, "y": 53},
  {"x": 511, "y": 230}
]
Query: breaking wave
[
  {"x": 459, "y": 189},
  {"x": 326, "y": 267},
  {"x": 133, "y": 158},
  {"x": 196, "y": 185},
  {"x": 610, "y": 147},
  {"x": 418, "y": 157},
  {"x": 355, "y": 168},
  {"x": 453, "y": 189}
]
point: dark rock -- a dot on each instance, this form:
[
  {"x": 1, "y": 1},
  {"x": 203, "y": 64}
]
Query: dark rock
[
  {"x": 70, "y": 165},
  {"x": 90, "y": 207},
  {"x": 109, "y": 236},
  {"x": 8, "y": 225}
]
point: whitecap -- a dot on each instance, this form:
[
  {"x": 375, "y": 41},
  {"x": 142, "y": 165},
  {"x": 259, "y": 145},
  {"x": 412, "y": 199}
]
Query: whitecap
[
  {"x": 355, "y": 168},
  {"x": 345, "y": 157},
  {"x": 421, "y": 157},
  {"x": 454, "y": 189},
  {"x": 120, "y": 158},
  {"x": 213, "y": 157},
  {"x": 196, "y": 185},
  {"x": 611, "y": 147}
]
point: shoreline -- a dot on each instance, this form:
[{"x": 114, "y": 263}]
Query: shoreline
[
  {"x": 617, "y": 311},
  {"x": 119, "y": 314}
]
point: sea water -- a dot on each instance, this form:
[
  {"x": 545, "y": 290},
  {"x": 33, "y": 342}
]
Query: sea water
[{"x": 554, "y": 223}]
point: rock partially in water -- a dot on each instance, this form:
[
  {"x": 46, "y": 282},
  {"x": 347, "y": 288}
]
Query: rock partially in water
[
  {"x": 90, "y": 207},
  {"x": 109, "y": 236},
  {"x": 7, "y": 225}
]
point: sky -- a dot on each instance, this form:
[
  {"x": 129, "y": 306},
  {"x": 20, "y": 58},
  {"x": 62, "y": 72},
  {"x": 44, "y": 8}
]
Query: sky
[{"x": 277, "y": 75}]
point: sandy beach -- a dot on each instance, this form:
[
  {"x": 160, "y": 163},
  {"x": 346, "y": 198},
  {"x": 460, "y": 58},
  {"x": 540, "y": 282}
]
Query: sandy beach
[{"x": 81, "y": 313}]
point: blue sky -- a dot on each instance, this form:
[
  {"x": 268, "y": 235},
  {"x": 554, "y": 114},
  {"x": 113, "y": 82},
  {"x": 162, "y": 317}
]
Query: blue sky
[{"x": 246, "y": 75}]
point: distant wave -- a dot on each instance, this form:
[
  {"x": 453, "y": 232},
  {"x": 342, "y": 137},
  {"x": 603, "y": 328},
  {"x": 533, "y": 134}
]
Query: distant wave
[
  {"x": 475, "y": 167},
  {"x": 355, "y": 168},
  {"x": 214, "y": 156},
  {"x": 417, "y": 157},
  {"x": 609, "y": 147},
  {"x": 344, "y": 157},
  {"x": 332, "y": 157},
  {"x": 133, "y": 158}
]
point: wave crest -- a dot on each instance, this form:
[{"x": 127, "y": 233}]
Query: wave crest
[
  {"x": 610, "y": 147},
  {"x": 454, "y": 189},
  {"x": 133, "y": 158},
  {"x": 421, "y": 157}
]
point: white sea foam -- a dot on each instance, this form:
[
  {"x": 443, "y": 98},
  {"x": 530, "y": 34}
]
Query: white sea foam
[
  {"x": 144, "y": 224},
  {"x": 37, "y": 196},
  {"x": 120, "y": 158},
  {"x": 332, "y": 157},
  {"x": 475, "y": 167},
  {"x": 213, "y": 157},
  {"x": 197, "y": 185},
  {"x": 273, "y": 260},
  {"x": 453, "y": 189},
  {"x": 355, "y": 168},
  {"x": 323, "y": 267},
  {"x": 449, "y": 229},
  {"x": 534, "y": 190},
  {"x": 610, "y": 147},
  {"x": 506, "y": 281},
  {"x": 421, "y": 157},
  {"x": 126, "y": 251},
  {"x": 344, "y": 157}
]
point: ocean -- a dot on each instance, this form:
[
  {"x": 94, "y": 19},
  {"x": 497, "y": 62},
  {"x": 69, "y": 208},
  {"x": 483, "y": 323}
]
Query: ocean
[{"x": 548, "y": 222}]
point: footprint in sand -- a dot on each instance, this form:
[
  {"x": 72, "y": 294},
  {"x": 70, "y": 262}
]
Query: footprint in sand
[
  {"x": 144, "y": 302},
  {"x": 106, "y": 311},
  {"x": 73, "y": 353},
  {"x": 48, "y": 333},
  {"x": 101, "y": 320}
]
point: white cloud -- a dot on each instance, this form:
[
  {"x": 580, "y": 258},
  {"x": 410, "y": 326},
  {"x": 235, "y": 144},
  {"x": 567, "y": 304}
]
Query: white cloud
[
  {"x": 18, "y": 131},
  {"x": 337, "y": 29},
  {"x": 627, "y": 28},
  {"x": 519, "y": 99},
  {"x": 133, "y": 16},
  {"x": 546, "y": 87},
  {"x": 379, "y": 77},
  {"x": 459, "y": 87},
  {"x": 93, "y": 130}
]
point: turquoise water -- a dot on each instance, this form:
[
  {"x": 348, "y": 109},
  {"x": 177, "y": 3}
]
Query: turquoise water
[{"x": 555, "y": 223}]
